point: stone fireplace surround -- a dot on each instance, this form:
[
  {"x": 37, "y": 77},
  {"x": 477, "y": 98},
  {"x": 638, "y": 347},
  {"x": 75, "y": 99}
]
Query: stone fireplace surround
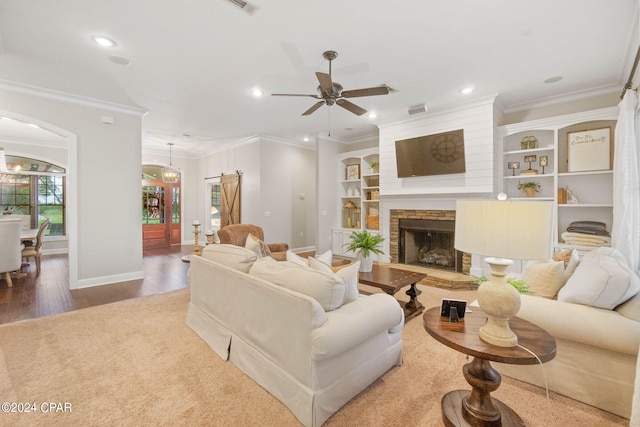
[{"x": 406, "y": 216}]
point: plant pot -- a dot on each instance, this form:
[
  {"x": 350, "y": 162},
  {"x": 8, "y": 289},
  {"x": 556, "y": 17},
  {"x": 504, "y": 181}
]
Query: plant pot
[
  {"x": 529, "y": 192},
  {"x": 366, "y": 263}
]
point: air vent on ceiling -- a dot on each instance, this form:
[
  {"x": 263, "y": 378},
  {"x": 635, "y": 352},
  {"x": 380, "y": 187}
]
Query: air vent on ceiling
[{"x": 246, "y": 7}]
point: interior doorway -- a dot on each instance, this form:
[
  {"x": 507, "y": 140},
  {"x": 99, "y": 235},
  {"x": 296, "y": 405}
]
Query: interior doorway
[{"x": 161, "y": 218}]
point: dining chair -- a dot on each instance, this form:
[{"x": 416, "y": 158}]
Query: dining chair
[
  {"x": 34, "y": 251},
  {"x": 10, "y": 247}
]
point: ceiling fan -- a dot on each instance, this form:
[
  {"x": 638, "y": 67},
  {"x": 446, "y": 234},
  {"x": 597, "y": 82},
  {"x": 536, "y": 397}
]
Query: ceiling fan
[{"x": 331, "y": 92}]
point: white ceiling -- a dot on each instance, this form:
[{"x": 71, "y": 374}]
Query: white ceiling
[{"x": 193, "y": 63}]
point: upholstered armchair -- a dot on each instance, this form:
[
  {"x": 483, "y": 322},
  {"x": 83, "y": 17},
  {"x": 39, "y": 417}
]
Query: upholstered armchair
[
  {"x": 236, "y": 234},
  {"x": 10, "y": 247}
]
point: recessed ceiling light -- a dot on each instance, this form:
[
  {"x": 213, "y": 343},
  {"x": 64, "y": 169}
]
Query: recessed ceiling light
[
  {"x": 467, "y": 90},
  {"x": 104, "y": 41},
  {"x": 553, "y": 79},
  {"x": 306, "y": 139},
  {"x": 257, "y": 92},
  {"x": 372, "y": 115}
]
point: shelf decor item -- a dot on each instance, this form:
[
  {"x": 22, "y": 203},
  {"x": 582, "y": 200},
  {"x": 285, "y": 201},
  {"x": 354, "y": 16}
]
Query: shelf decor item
[
  {"x": 375, "y": 167},
  {"x": 589, "y": 150},
  {"x": 353, "y": 172},
  {"x": 530, "y": 159},
  {"x": 349, "y": 210},
  {"x": 501, "y": 229},
  {"x": 530, "y": 188},
  {"x": 544, "y": 162},
  {"x": 513, "y": 166}
]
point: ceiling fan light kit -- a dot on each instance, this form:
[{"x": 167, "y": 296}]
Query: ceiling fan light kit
[{"x": 330, "y": 92}]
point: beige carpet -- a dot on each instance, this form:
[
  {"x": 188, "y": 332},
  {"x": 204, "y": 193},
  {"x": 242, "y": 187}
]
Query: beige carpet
[{"x": 137, "y": 363}]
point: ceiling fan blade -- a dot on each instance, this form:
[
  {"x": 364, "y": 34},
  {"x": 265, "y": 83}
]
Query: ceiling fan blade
[
  {"x": 296, "y": 94},
  {"x": 370, "y": 91},
  {"x": 325, "y": 82},
  {"x": 313, "y": 108},
  {"x": 351, "y": 107}
]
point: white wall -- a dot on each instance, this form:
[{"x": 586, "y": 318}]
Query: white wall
[
  {"x": 438, "y": 192},
  {"x": 274, "y": 175},
  {"x": 103, "y": 163},
  {"x": 327, "y": 183}
]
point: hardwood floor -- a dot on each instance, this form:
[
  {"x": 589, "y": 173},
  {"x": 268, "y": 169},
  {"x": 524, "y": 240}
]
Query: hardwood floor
[{"x": 38, "y": 296}]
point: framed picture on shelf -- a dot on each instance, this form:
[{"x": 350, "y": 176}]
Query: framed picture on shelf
[
  {"x": 589, "y": 150},
  {"x": 353, "y": 172}
]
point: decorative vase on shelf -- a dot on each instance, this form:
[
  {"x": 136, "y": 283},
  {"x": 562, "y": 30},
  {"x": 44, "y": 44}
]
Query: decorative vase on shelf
[{"x": 529, "y": 192}]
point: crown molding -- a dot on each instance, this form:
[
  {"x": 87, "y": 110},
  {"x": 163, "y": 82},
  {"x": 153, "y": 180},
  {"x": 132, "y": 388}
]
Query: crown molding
[
  {"x": 565, "y": 98},
  {"x": 71, "y": 98}
]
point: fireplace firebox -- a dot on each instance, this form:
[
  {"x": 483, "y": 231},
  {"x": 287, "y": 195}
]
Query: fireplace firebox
[{"x": 428, "y": 243}]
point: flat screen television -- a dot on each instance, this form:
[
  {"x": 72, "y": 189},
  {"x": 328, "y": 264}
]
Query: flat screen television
[{"x": 437, "y": 154}]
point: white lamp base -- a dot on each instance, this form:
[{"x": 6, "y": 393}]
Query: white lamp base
[{"x": 500, "y": 301}]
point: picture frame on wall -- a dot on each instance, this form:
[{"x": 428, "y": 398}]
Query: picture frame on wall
[
  {"x": 589, "y": 150},
  {"x": 353, "y": 172}
]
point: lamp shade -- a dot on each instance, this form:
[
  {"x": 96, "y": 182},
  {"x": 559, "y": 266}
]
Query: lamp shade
[{"x": 504, "y": 228}]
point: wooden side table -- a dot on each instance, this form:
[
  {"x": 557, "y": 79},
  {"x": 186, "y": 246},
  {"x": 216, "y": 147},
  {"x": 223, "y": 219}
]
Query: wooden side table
[{"x": 477, "y": 407}]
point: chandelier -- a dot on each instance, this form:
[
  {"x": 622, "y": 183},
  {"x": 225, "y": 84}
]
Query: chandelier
[{"x": 170, "y": 173}]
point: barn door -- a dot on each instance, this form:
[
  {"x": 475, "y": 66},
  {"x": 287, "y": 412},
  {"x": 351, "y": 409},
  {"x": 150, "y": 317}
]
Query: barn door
[{"x": 230, "y": 199}]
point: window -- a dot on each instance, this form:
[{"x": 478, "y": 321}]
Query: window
[{"x": 34, "y": 188}]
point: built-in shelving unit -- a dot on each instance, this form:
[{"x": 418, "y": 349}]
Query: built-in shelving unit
[
  {"x": 593, "y": 189},
  {"x": 359, "y": 191}
]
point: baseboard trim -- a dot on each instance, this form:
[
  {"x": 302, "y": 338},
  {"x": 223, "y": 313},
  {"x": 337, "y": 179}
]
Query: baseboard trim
[{"x": 106, "y": 280}]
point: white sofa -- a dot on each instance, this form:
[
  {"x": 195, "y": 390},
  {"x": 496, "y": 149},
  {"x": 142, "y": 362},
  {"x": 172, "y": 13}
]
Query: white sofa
[
  {"x": 597, "y": 347},
  {"x": 313, "y": 360}
]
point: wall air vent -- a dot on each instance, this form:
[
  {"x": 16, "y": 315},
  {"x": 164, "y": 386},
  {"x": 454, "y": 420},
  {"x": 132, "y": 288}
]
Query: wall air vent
[{"x": 246, "y": 7}]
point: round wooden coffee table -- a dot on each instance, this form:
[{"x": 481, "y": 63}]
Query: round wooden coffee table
[{"x": 477, "y": 407}]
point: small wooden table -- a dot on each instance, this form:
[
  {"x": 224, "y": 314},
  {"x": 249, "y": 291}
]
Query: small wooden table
[
  {"x": 477, "y": 407},
  {"x": 391, "y": 280}
]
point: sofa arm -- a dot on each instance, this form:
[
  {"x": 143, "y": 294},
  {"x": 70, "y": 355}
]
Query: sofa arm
[{"x": 355, "y": 323}]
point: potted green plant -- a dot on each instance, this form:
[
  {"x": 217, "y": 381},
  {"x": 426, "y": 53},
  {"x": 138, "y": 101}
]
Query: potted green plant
[
  {"x": 364, "y": 244},
  {"x": 530, "y": 188},
  {"x": 375, "y": 167}
]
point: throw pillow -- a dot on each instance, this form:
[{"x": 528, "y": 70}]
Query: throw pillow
[
  {"x": 232, "y": 256},
  {"x": 571, "y": 260},
  {"x": 328, "y": 289},
  {"x": 326, "y": 257},
  {"x": 296, "y": 259},
  {"x": 256, "y": 245},
  {"x": 544, "y": 278},
  {"x": 602, "y": 279},
  {"x": 348, "y": 272}
]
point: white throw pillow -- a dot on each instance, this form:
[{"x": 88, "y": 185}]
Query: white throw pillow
[
  {"x": 232, "y": 256},
  {"x": 601, "y": 280},
  {"x": 544, "y": 278},
  {"x": 328, "y": 289},
  {"x": 326, "y": 257},
  {"x": 296, "y": 259},
  {"x": 256, "y": 245},
  {"x": 348, "y": 272}
]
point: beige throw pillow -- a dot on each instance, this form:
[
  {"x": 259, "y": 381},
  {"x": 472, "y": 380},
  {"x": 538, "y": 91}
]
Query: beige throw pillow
[
  {"x": 544, "y": 278},
  {"x": 348, "y": 272},
  {"x": 296, "y": 259},
  {"x": 328, "y": 289},
  {"x": 602, "y": 279},
  {"x": 258, "y": 246},
  {"x": 232, "y": 256}
]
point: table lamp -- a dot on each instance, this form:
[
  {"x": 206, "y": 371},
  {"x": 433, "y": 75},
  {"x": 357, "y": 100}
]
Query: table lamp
[{"x": 503, "y": 229}]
